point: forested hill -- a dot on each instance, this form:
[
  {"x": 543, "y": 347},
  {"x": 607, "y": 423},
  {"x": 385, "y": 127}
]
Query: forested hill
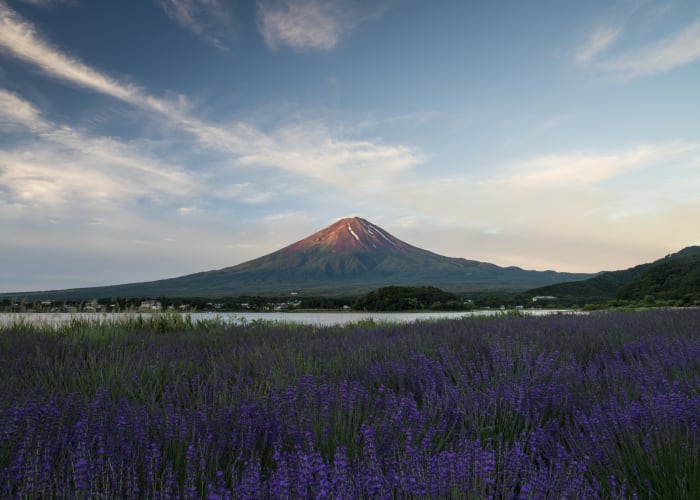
[
  {"x": 606, "y": 286},
  {"x": 403, "y": 298},
  {"x": 676, "y": 279}
]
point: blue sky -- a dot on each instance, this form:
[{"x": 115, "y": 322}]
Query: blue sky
[{"x": 148, "y": 139}]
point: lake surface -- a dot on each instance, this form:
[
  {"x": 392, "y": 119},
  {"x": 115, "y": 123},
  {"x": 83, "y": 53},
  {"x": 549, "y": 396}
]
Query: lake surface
[{"x": 321, "y": 318}]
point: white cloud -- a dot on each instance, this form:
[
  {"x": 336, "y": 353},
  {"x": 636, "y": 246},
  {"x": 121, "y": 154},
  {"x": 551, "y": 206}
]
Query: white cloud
[
  {"x": 586, "y": 169},
  {"x": 598, "y": 41},
  {"x": 244, "y": 192},
  {"x": 309, "y": 151},
  {"x": 18, "y": 114},
  {"x": 660, "y": 56},
  {"x": 208, "y": 19},
  {"x": 310, "y": 24},
  {"x": 20, "y": 39},
  {"x": 576, "y": 212},
  {"x": 55, "y": 164},
  {"x": 305, "y": 24},
  {"x": 46, "y": 3},
  {"x": 664, "y": 55},
  {"x": 51, "y": 177}
]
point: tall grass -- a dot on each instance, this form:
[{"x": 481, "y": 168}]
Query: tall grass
[{"x": 599, "y": 406}]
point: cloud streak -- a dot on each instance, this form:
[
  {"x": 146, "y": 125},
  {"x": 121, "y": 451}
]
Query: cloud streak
[
  {"x": 586, "y": 170},
  {"x": 310, "y": 24},
  {"x": 208, "y": 19},
  {"x": 560, "y": 211},
  {"x": 665, "y": 55},
  {"x": 598, "y": 41},
  {"x": 56, "y": 164},
  {"x": 301, "y": 24},
  {"x": 45, "y": 3},
  {"x": 311, "y": 150},
  {"x": 677, "y": 50},
  {"x": 20, "y": 39},
  {"x": 320, "y": 156},
  {"x": 17, "y": 114}
]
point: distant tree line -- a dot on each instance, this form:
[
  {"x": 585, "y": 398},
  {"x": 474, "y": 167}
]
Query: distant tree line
[
  {"x": 406, "y": 298},
  {"x": 123, "y": 304},
  {"x": 676, "y": 280},
  {"x": 675, "y": 283}
]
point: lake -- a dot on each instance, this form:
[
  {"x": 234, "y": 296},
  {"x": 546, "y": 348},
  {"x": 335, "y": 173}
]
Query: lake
[{"x": 321, "y": 318}]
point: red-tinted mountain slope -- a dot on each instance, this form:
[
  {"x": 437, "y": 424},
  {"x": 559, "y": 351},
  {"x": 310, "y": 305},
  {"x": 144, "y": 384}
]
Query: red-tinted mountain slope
[
  {"x": 350, "y": 235},
  {"x": 349, "y": 257},
  {"x": 353, "y": 255}
]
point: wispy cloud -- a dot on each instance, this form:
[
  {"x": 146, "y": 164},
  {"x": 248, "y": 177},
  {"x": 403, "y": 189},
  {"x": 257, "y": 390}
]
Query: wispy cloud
[
  {"x": 310, "y": 24},
  {"x": 313, "y": 151},
  {"x": 208, "y": 19},
  {"x": 600, "y": 39},
  {"x": 46, "y": 3},
  {"x": 310, "y": 151},
  {"x": 18, "y": 114},
  {"x": 20, "y": 39},
  {"x": 664, "y": 55},
  {"x": 245, "y": 192},
  {"x": 660, "y": 56},
  {"x": 55, "y": 164},
  {"x": 559, "y": 211},
  {"x": 306, "y": 24},
  {"x": 588, "y": 169}
]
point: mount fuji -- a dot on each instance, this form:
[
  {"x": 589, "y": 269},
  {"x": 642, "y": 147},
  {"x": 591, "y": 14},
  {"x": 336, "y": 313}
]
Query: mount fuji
[{"x": 350, "y": 257}]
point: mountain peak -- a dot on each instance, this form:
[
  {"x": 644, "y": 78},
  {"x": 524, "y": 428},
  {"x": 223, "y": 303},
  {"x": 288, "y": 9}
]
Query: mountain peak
[
  {"x": 348, "y": 235},
  {"x": 348, "y": 257},
  {"x": 691, "y": 250}
]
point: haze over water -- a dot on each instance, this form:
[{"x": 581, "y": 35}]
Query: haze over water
[{"x": 310, "y": 318}]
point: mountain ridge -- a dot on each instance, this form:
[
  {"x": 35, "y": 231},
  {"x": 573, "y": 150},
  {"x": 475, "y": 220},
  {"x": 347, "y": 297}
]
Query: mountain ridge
[
  {"x": 675, "y": 279},
  {"x": 351, "y": 256},
  {"x": 606, "y": 285}
]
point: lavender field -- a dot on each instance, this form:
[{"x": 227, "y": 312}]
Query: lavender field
[{"x": 599, "y": 406}]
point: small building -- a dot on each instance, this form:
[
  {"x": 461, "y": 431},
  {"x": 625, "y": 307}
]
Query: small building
[
  {"x": 543, "y": 297},
  {"x": 150, "y": 305},
  {"x": 92, "y": 306}
]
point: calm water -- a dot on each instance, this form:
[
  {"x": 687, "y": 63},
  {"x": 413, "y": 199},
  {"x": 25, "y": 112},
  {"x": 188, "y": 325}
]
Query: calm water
[{"x": 312, "y": 318}]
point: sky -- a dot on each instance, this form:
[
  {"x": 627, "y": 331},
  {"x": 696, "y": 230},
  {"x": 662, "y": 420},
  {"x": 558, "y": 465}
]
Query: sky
[{"x": 147, "y": 139}]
